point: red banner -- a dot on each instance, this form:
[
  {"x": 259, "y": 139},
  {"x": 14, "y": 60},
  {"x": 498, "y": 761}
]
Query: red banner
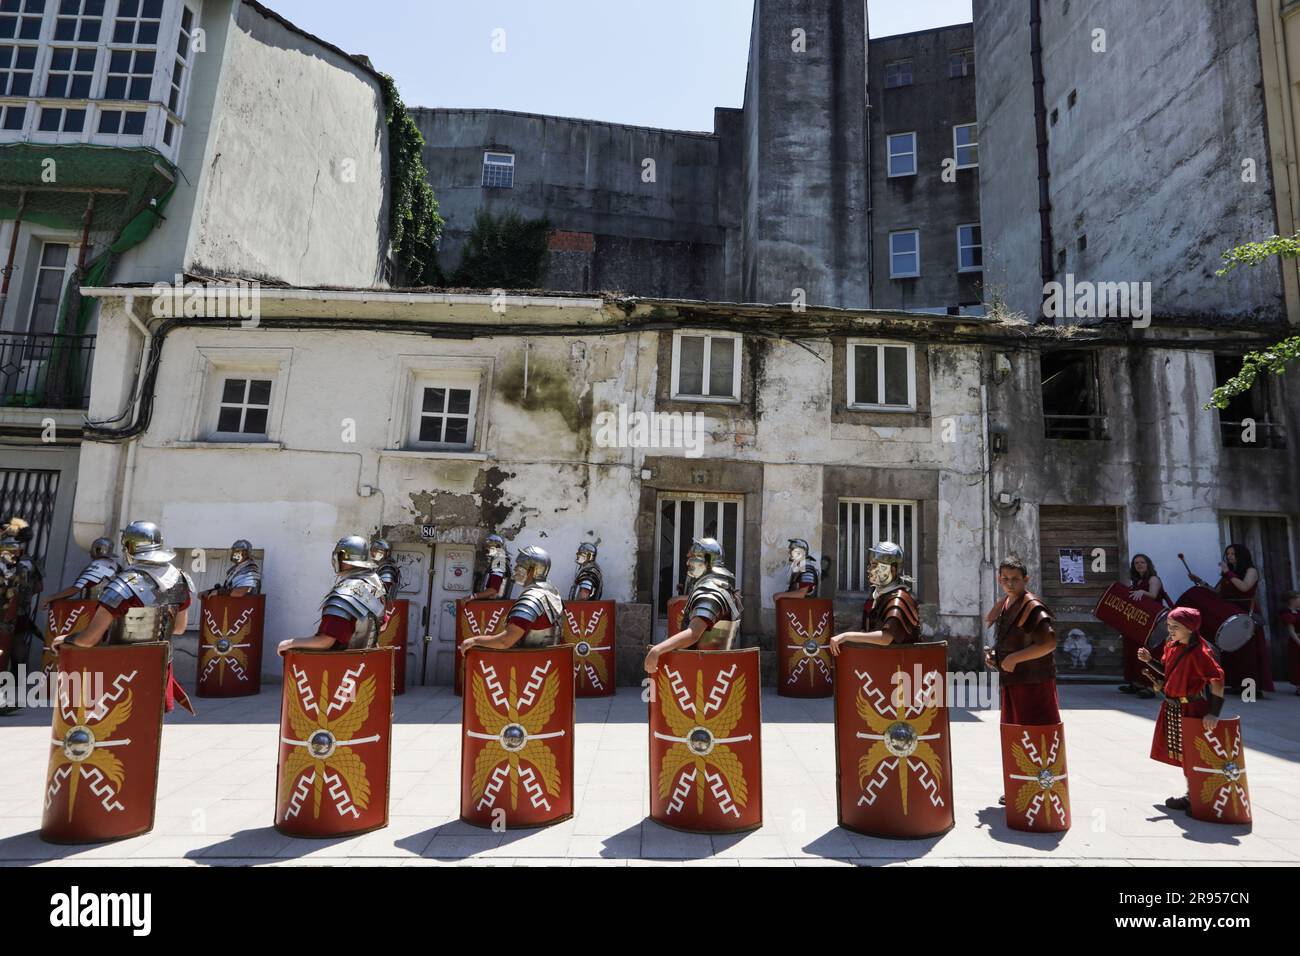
[
  {"x": 804, "y": 627},
  {"x": 590, "y": 627},
  {"x": 102, "y": 780},
  {"x": 476, "y": 619},
  {"x": 230, "y": 645},
  {"x": 65, "y": 618},
  {"x": 1215, "y": 764},
  {"x": 516, "y": 766},
  {"x": 336, "y": 731},
  {"x": 1034, "y": 778},
  {"x": 394, "y": 634},
  {"x": 891, "y": 740},
  {"x": 706, "y": 768}
]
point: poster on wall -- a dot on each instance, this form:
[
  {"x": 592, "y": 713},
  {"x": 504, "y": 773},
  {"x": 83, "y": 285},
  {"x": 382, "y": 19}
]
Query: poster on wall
[
  {"x": 1072, "y": 566},
  {"x": 458, "y": 569},
  {"x": 414, "y": 576}
]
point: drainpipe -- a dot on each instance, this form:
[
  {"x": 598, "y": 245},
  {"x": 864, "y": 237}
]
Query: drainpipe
[
  {"x": 13, "y": 251},
  {"x": 1040, "y": 129},
  {"x": 128, "y": 473}
]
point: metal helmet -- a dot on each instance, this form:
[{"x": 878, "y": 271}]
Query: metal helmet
[
  {"x": 101, "y": 548},
  {"x": 535, "y": 561},
  {"x": 143, "y": 541},
  {"x": 242, "y": 547},
  {"x": 13, "y": 539},
  {"x": 354, "y": 550},
  {"x": 884, "y": 563},
  {"x": 379, "y": 549},
  {"x": 799, "y": 543},
  {"x": 494, "y": 541},
  {"x": 588, "y": 549},
  {"x": 706, "y": 550}
]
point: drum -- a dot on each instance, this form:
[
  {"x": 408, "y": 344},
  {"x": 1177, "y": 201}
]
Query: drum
[
  {"x": 1222, "y": 622},
  {"x": 804, "y": 627},
  {"x": 1142, "y": 620}
]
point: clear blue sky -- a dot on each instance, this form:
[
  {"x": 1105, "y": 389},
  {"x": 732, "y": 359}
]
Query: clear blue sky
[{"x": 665, "y": 63}]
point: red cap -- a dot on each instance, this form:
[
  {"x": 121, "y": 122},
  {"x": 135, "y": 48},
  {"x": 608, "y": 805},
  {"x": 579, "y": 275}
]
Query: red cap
[{"x": 1188, "y": 617}]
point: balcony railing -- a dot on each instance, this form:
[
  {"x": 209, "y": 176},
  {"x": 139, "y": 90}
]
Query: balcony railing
[
  {"x": 45, "y": 371},
  {"x": 1076, "y": 427}
]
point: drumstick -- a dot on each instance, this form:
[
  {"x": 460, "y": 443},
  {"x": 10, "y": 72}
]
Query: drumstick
[{"x": 1184, "y": 560}]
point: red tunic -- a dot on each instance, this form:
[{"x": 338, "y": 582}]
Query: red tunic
[
  {"x": 1133, "y": 669},
  {"x": 1250, "y": 661},
  {"x": 1292, "y": 619},
  {"x": 539, "y": 623},
  {"x": 338, "y": 627},
  {"x": 1189, "y": 669}
]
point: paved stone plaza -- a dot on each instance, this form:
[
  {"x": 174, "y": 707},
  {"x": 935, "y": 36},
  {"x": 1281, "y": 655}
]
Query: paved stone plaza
[{"x": 217, "y": 780}]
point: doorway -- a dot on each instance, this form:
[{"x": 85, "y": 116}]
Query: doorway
[
  {"x": 682, "y": 517},
  {"x": 1268, "y": 539}
]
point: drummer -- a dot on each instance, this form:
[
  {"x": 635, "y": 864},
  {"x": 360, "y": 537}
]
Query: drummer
[
  {"x": 1238, "y": 582},
  {"x": 1145, "y": 583}
]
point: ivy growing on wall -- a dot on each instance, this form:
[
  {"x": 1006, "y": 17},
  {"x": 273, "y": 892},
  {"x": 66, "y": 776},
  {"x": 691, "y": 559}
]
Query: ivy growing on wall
[
  {"x": 505, "y": 252},
  {"x": 414, "y": 222}
]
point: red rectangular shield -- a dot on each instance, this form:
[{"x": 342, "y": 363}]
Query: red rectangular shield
[
  {"x": 1215, "y": 764},
  {"x": 676, "y": 608},
  {"x": 336, "y": 732},
  {"x": 804, "y": 627},
  {"x": 475, "y": 619},
  {"x": 706, "y": 768},
  {"x": 516, "y": 767},
  {"x": 230, "y": 645},
  {"x": 102, "y": 779},
  {"x": 893, "y": 765},
  {"x": 590, "y": 627},
  {"x": 1034, "y": 778},
  {"x": 394, "y": 634},
  {"x": 65, "y": 618}
]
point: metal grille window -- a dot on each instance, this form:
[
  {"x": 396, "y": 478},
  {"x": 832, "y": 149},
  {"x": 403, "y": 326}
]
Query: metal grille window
[
  {"x": 137, "y": 22},
  {"x": 1252, "y": 419},
  {"x": 864, "y": 522},
  {"x": 706, "y": 366},
  {"x": 21, "y": 19},
  {"x": 882, "y": 376},
  {"x": 447, "y": 417},
  {"x": 17, "y": 64},
  {"x": 961, "y": 63},
  {"x": 31, "y": 495},
  {"x": 245, "y": 406},
  {"x": 904, "y": 254},
  {"x": 79, "y": 21},
  {"x": 682, "y": 518},
  {"x": 902, "y": 154},
  {"x": 1072, "y": 405},
  {"x": 130, "y": 74},
  {"x": 970, "y": 248},
  {"x": 965, "y": 144},
  {"x": 72, "y": 71},
  {"x": 898, "y": 73},
  {"x": 499, "y": 170}
]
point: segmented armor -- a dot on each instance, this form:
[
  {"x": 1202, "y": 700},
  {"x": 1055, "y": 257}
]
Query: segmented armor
[
  {"x": 713, "y": 595},
  {"x": 161, "y": 590},
  {"x": 538, "y": 598},
  {"x": 245, "y": 574},
  {"x": 590, "y": 575},
  {"x": 358, "y": 596},
  {"x": 391, "y": 577},
  {"x": 96, "y": 574},
  {"x": 808, "y": 574}
]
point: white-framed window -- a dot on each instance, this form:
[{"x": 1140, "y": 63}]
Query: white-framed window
[
  {"x": 901, "y": 149},
  {"x": 21, "y": 19},
  {"x": 863, "y": 522},
  {"x": 47, "y": 292},
  {"x": 905, "y": 254},
  {"x": 706, "y": 366},
  {"x": 17, "y": 67},
  {"x": 130, "y": 74},
  {"x": 443, "y": 417},
  {"x": 57, "y": 119},
  {"x": 499, "y": 170},
  {"x": 71, "y": 73},
  {"x": 970, "y": 248},
  {"x": 965, "y": 144},
  {"x": 128, "y": 122},
  {"x": 881, "y": 375},
  {"x": 79, "y": 21},
  {"x": 898, "y": 73},
  {"x": 961, "y": 63},
  {"x": 137, "y": 22},
  {"x": 13, "y": 117},
  {"x": 244, "y": 406}
]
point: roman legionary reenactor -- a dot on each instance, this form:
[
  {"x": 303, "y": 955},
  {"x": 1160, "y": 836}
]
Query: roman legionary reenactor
[
  {"x": 805, "y": 579},
  {"x": 353, "y": 609},
  {"x": 243, "y": 577},
  {"x": 713, "y": 605},
  {"x": 381, "y": 552},
  {"x": 1191, "y": 680},
  {"x": 588, "y": 584},
  {"x": 495, "y": 583},
  {"x": 536, "y": 618},
  {"x": 20, "y": 587},
  {"x": 1238, "y": 584},
  {"x": 90, "y": 582},
  {"x": 891, "y": 615},
  {"x": 1144, "y": 582},
  {"x": 1024, "y": 651},
  {"x": 146, "y": 602}
]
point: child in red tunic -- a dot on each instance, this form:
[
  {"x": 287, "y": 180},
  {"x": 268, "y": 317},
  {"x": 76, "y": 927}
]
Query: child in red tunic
[{"x": 1192, "y": 683}]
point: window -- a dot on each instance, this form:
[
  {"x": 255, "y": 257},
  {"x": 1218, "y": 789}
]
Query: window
[
  {"x": 881, "y": 375},
  {"x": 970, "y": 249},
  {"x": 1072, "y": 395},
  {"x": 130, "y": 74},
  {"x": 137, "y": 22},
  {"x": 706, "y": 366},
  {"x": 966, "y": 146},
  {"x": 16, "y": 66},
  {"x": 187, "y": 29},
  {"x": 21, "y": 19},
  {"x": 961, "y": 63},
  {"x": 174, "y": 96},
  {"x": 445, "y": 418},
  {"x": 72, "y": 71},
  {"x": 130, "y": 122},
  {"x": 1252, "y": 419},
  {"x": 902, "y": 154},
  {"x": 51, "y": 276},
  {"x": 862, "y": 523},
  {"x": 904, "y": 254},
  {"x": 244, "y": 408},
  {"x": 898, "y": 73},
  {"x": 79, "y": 21},
  {"x": 13, "y": 117},
  {"x": 499, "y": 170},
  {"x": 58, "y": 120}
]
